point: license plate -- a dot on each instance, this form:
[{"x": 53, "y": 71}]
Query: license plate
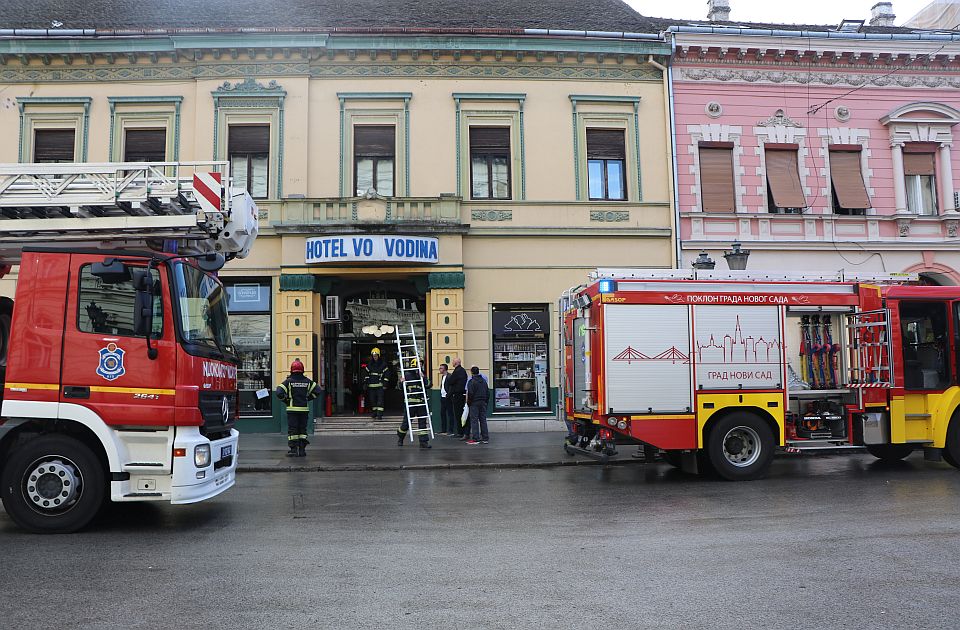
[{"x": 226, "y": 451}]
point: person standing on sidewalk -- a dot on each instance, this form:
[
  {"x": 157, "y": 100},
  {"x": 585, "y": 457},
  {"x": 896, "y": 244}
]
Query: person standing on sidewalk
[
  {"x": 297, "y": 392},
  {"x": 376, "y": 382},
  {"x": 448, "y": 424},
  {"x": 478, "y": 392},
  {"x": 417, "y": 398},
  {"x": 456, "y": 386}
]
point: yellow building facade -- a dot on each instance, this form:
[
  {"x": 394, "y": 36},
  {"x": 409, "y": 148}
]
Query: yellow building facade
[{"x": 457, "y": 183}]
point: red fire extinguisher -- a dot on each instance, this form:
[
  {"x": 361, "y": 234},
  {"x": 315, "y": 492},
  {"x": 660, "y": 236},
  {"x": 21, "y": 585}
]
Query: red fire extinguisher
[
  {"x": 362, "y": 404},
  {"x": 328, "y": 406}
]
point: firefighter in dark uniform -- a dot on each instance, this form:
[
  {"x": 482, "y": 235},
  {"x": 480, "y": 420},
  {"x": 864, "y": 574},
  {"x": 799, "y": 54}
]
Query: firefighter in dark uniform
[
  {"x": 296, "y": 392},
  {"x": 416, "y": 400},
  {"x": 376, "y": 382}
]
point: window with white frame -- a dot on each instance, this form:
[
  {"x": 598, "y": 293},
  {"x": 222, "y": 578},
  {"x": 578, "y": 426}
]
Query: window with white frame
[
  {"x": 53, "y": 129},
  {"x": 54, "y": 145},
  {"x": 606, "y": 164},
  {"x": 374, "y": 159},
  {"x": 248, "y": 150},
  {"x": 920, "y": 180},
  {"x": 784, "y": 190},
  {"x": 490, "y": 163}
]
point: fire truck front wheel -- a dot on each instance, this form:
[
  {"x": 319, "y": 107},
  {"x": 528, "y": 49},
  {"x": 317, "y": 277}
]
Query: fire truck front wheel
[
  {"x": 740, "y": 447},
  {"x": 951, "y": 450},
  {"x": 52, "y": 484}
]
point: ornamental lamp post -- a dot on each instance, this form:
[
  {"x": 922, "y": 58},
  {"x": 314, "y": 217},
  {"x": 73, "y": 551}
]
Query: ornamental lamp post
[
  {"x": 704, "y": 261},
  {"x": 736, "y": 258}
]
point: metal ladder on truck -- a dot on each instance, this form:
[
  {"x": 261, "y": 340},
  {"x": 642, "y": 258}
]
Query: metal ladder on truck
[
  {"x": 408, "y": 351},
  {"x": 182, "y": 208},
  {"x": 871, "y": 363}
]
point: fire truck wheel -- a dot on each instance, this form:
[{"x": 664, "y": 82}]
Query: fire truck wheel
[
  {"x": 740, "y": 447},
  {"x": 951, "y": 450},
  {"x": 889, "y": 452},
  {"x": 52, "y": 484}
]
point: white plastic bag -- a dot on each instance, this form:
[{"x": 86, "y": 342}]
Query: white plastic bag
[{"x": 465, "y": 415}]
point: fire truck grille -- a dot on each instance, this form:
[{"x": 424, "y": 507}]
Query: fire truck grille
[{"x": 219, "y": 411}]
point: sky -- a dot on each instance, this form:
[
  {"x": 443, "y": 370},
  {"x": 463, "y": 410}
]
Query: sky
[{"x": 794, "y": 12}]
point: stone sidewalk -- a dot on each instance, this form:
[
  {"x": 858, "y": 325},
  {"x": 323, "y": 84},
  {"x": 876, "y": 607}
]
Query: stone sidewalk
[{"x": 261, "y": 452}]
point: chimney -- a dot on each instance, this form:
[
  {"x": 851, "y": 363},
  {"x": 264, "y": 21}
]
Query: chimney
[
  {"x": 881, "y": 14},
  {"x": 719, "y": 10}
]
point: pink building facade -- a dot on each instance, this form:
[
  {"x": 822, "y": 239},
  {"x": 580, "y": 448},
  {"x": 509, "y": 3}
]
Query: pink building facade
[{"x": 819, "y": 152}]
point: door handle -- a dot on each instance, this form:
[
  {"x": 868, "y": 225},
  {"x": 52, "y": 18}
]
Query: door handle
[{"x": 71, "y": 391}]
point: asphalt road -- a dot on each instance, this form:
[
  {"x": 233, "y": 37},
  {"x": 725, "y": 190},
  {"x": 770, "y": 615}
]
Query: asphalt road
[{"x": 823, "y": 542}]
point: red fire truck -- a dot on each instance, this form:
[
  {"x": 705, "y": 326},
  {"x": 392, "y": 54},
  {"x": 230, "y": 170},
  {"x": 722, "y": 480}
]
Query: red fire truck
[
  {"x": 718, "y": 369},
  {"x": 118, "y": 370}
]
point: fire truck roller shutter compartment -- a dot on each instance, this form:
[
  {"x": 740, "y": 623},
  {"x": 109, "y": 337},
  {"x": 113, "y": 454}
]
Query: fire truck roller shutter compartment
[
  {"x": 738, "y": 347},
  {"x": 647, "y": 364}
]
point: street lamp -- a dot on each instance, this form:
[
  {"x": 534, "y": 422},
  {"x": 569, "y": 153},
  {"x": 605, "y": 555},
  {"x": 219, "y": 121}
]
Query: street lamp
[
  {"x": 736, "y": 257},
  {"x": 704, "y": 261}
]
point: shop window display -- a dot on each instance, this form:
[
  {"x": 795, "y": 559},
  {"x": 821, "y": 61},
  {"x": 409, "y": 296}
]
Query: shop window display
[
  {"x": 520, "y": 358},
  {"x": 250, "y": 327}
]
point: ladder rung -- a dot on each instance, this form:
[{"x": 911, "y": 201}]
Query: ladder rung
[{"x": 409, "y": 345}]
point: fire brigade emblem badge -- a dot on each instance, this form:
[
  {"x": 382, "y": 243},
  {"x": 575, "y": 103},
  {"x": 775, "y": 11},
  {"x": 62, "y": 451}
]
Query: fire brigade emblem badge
[{"x": 111, "y": 362}]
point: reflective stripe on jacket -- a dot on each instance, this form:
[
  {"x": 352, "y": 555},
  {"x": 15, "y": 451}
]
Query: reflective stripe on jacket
[{"x": 297, "y": 391}]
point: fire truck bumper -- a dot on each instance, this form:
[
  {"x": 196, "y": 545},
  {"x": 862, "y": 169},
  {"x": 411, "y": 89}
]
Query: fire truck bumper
[{"x": 193, "y": 482}]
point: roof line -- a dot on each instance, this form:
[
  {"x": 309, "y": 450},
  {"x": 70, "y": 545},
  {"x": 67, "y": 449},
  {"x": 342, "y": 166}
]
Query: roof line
[{"x": 731, "y": 30}]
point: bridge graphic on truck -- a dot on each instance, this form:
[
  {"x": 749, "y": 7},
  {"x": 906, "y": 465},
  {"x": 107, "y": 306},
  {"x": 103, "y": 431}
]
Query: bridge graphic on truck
[{"x": 673, "y": 355}]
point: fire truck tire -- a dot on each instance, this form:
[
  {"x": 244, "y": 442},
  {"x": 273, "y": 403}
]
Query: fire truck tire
[
  {"x": 52, "y": 484},
  {"x": 951, "y": 449},
  {"x": 889, "y": 452},
  {"x": 740, "y": 447}
]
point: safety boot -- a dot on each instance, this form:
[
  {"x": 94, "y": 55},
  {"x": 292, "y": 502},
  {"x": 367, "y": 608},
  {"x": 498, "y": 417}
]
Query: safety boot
[
  {"x": 293, "y": 451},
  {"x": 302, "y": 450}
]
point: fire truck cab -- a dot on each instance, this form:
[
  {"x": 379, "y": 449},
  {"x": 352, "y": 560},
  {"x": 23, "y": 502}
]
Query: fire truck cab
[
  {"x": 117, "y": 365},
  {"x": 718, "y": 369}
]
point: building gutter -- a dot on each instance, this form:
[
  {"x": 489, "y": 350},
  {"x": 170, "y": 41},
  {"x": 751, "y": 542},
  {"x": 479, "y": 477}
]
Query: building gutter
[
  {"x": 670, "y": 129},
  {"x": 766, "y": 32}
]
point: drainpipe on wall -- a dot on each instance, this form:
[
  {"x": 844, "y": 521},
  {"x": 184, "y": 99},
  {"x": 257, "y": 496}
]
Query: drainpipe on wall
[{"x": 674, "y": 184}]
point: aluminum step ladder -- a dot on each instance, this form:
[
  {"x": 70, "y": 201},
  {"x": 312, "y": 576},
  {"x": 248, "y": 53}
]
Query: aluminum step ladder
[{"x": 408, "y": 352}]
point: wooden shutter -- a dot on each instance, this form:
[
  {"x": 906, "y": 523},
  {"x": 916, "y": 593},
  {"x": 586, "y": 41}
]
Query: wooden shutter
[
  {"x": 918, "y": 164},
  {"x": 248, "y": 139},
  {"x": 374, "y": 141},
  {"x": 783, "y": 177},
  {"x": 145, "y": 145},
  {"x": 716, "y": 179},
  {"x": 606, "y": 144},
  {"x": 847, "y": 178},
  {"x": 53, "y": 145},
  {"x": 487, "y": 140}
]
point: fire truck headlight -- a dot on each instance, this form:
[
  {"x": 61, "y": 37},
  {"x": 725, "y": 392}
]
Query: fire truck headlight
[
  {"x": 612, "y": 421},
  {"x": 622, "y": 425},
  {"x": 201, "y": 455}
]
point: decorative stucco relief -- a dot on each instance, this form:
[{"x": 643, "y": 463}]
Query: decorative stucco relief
[{"x": 852, "y": 79}]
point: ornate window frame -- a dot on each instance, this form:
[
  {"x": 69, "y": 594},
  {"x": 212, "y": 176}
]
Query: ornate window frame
[
  {"x": 144, "y": 112},
  {"x": 54, "y": 112},
  {"x": 849, "y": 136},
  {"x": 781, "y": 129},
  {"x": 716, "y": 132},
  {"x": 479, "y": 109},
  {"x": 374, "y": 108},
  {"x": 250, "y": 102},
  {"x": 610, "y": 112}
]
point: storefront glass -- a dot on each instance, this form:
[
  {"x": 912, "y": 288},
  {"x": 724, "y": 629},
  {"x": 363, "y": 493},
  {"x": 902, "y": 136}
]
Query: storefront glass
[
  {"x": 520, "y": 357},
  {"x": 249, "y": 308}
]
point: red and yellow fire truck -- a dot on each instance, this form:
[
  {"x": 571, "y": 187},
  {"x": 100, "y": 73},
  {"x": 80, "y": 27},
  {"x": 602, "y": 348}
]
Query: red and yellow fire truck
[
  {"x": 118, "y": 369},
  {"x": 718, "y": 369}
]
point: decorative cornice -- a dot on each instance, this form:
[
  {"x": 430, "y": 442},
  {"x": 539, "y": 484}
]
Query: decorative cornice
[
  {"x": 248, "y": 87},
  {"x": 446, "y": 280},
  {"x": 798, "y": 76}
]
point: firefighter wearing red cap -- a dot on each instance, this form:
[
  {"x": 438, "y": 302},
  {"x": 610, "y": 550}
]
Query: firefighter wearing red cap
[
  {"x": 376, "y": 382},
  {"x": 296, "y": 392}
]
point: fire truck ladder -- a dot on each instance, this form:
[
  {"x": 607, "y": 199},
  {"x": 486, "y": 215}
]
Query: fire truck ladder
[
  {"x": 114, "y": 203},
  {"x": 871, "y": 358},
  {"x": 408, "y": 352}
]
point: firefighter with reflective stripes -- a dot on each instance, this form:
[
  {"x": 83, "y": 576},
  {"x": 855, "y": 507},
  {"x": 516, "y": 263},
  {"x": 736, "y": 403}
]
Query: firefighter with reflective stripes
[
  {"x": 296, "y": 393},
  {"x": 376, "y": 382},
  {"x": 416, "y": 399}
]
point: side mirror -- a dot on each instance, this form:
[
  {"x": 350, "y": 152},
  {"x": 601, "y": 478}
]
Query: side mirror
[
  {"x": 143, "y": 306},
  {"x": 110, "y": 271},
  {"x": 211, "y": 263}
]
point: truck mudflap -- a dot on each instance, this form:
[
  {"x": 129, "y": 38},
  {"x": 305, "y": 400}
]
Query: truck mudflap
[{"x": 192, "y": 483}]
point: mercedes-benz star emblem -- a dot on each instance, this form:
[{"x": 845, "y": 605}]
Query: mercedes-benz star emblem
[{"x": 225, "y": 410}]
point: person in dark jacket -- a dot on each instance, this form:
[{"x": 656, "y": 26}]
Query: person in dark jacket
[
  {"x": 478, "y": 393},
  {"x": 456, "y": 385},
  {"x": 416, "y": 402},
  {"x": 376, "y": 382},
  {"x": 296, "y": 392}
]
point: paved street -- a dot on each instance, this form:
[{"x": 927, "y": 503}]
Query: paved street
[{"x": 824, "y": 542}]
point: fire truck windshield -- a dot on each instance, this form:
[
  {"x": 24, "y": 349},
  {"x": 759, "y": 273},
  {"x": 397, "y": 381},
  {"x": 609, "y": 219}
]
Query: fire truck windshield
[{"x": 203, "y": 309}]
